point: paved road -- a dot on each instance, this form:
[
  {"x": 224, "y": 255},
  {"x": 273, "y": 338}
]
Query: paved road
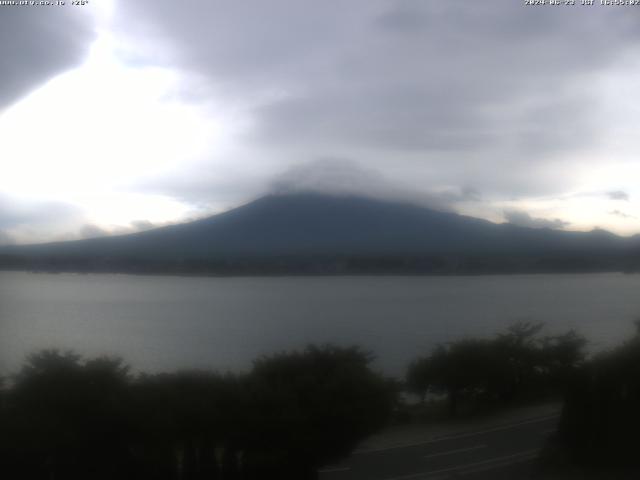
[{"x": 500, "y": 452}]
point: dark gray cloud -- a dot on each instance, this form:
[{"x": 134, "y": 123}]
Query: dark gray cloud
[
  {"x": 618, "y": 195},
  {"x": 37, "y": 43},
  {"x": 240, "y": 45},
  {"x": 523, "y": 219},
  {"x": 450, "y": 93}
]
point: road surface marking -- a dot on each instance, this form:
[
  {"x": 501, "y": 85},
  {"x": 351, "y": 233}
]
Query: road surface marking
[
  {"x": 457, "y": 436},
  {"x": 469, "y": 468},
  {"x": 459, "y": 450}
]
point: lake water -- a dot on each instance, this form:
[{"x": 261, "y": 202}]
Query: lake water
[{"x": 166, "y": 323}]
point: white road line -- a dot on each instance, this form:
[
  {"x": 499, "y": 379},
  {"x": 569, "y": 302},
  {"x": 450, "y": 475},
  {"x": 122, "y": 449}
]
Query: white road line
[
  {"x": 476, "y": 466},
  {"x": 459, "y": 450},
  {"x": 457, "y": 436},
  {"x": 332, "y": 470}
]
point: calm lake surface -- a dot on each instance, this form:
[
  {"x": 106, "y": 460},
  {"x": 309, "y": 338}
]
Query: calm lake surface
[{"x": 166, "y": 323}]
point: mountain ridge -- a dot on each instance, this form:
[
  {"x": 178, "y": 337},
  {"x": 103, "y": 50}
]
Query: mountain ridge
[{"x": 326, "y": 231}]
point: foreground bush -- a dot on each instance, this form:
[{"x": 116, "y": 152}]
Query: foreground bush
[
  {"x": 517, "y": 365},
  {"x": 65, "y": 418},
  {"x": 601, "y": 419}
]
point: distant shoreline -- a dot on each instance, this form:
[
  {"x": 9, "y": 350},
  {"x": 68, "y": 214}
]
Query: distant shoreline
[{"x": 312, "y": 273}]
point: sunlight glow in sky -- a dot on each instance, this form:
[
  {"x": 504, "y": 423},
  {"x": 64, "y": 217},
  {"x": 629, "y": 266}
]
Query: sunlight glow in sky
[{"x": 85, "y": 135}]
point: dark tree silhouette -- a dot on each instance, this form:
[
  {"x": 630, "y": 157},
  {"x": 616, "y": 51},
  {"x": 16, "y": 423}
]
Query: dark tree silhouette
[
  {"x": 515, "y": 365},
  {"x": 312, "y": 408},
  {"x": 420, "y": 377},
  {"x": 600, "y": 419},
  {"x": 187, "y": 422},
  {"x": 65, "y": 418}
]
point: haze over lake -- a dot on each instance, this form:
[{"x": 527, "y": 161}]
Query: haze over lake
[{"x": 167, "y": 323}]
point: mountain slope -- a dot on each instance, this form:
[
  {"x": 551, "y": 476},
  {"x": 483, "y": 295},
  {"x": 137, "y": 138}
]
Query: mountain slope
[{"x": 313, "y": 226}]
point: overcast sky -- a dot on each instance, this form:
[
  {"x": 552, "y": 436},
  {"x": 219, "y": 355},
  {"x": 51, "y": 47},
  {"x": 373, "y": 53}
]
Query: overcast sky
[{"x": 119, "y": 115}]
